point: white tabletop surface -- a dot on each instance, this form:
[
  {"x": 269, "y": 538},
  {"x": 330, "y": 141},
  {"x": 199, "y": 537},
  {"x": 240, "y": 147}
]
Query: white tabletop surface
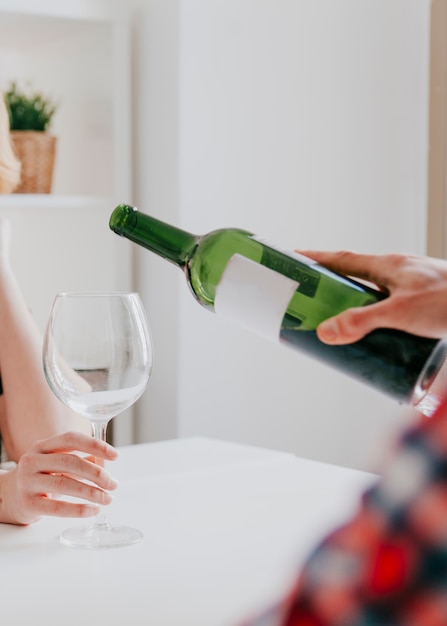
[{"x": 225, "y": 526}]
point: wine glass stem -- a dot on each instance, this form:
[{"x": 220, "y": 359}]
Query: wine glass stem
[{"x": 99, "y": 432}]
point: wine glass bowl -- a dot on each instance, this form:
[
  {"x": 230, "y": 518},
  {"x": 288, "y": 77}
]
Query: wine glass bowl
[{"x": 97, "y": 359}]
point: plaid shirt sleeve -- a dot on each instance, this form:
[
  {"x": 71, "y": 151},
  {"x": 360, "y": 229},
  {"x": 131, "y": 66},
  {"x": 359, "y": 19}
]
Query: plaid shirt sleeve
[{"x": 388, "y": 565}]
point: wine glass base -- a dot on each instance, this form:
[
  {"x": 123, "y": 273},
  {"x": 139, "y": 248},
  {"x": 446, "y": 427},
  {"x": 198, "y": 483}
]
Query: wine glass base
[{"x": 97, "y": 539}]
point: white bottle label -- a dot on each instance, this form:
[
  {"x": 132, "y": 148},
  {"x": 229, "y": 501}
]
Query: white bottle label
[{"x": 254, "y": 296}]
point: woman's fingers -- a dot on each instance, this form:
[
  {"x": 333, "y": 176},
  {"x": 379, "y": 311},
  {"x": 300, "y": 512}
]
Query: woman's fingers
[
  {"x": 75, "y": 441},
  {"x": 43, "y": 505},
  {"x": 67, "y": 486},
  {"x": 55, "y": 467},
  {"x": 34, "y": 488},
  {"x": 95, "y": 459},
  {"x": 63, "y": 464}
]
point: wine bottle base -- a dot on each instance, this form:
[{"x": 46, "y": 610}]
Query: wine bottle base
[{"x": 431, "y": 385}]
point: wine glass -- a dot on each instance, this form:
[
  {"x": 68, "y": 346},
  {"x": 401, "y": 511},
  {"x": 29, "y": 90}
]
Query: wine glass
[{"x": 97, "y": 359}]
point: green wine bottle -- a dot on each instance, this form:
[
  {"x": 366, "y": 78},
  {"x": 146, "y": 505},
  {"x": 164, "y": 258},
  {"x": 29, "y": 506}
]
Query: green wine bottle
[{"x": 284, "y": 296}]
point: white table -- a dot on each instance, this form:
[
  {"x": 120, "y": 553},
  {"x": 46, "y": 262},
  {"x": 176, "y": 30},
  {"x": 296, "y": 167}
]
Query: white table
[{"x": 225, "y": 526}]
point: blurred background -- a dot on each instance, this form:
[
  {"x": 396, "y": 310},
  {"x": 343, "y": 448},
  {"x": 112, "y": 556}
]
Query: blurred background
[{"x": 314, "y": 124}]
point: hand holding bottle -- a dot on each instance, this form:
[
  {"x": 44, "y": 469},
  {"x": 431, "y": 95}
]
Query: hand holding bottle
[
  {"x": 417, "y": 288},
  {"x": 285, "y": 297},
  {"x": 51, "y": 468}
]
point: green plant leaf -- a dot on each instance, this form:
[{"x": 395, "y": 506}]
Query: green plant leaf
[{"x": 29, "y": 109}]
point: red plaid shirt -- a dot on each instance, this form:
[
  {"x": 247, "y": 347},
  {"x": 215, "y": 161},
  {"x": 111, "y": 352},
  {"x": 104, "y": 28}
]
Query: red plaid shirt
[{"x": 388, "y": 565}]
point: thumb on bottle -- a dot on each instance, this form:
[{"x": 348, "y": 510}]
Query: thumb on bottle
[
  {"x": 347, "y": 327},
  {"x": 328, "y": 331}
]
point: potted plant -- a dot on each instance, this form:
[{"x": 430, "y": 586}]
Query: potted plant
[{"x": 30, "y": 117}]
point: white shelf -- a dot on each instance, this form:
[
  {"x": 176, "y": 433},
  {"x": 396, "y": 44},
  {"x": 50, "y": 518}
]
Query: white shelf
[
  {"x": 46, "y": 22},
  {"x": 68, "y": 9},
  {"x": 53, "y": 201},
  {"x": 77, "y": 52}
]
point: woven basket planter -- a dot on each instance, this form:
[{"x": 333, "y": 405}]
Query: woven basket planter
[{"x": 36, "y": 150}]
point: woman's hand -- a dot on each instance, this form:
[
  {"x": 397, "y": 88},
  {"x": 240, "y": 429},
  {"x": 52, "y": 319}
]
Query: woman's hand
[
  {"x": 417, "y": 288},
  {"x": 51, "y": 469}
]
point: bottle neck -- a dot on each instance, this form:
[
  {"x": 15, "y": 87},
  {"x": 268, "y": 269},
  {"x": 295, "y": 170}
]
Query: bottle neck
[{"x": 167, "y": 241}]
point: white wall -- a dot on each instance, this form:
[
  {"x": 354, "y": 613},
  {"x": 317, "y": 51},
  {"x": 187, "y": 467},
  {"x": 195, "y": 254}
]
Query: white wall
[
  {"x": 305, "y": 122},
  {"x": 155, "y": 42}
]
